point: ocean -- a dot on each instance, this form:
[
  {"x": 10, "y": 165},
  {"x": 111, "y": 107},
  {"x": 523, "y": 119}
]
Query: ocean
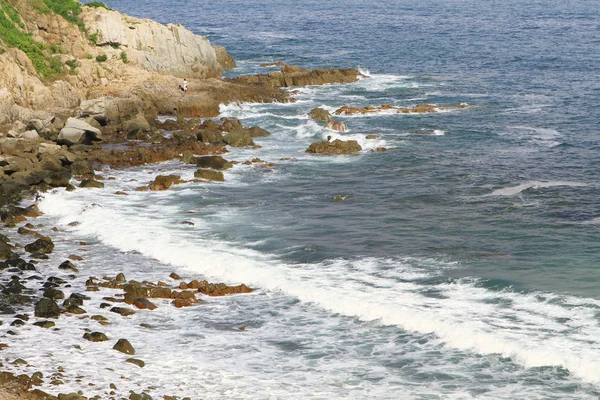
[{"x": 458, "y": 264}]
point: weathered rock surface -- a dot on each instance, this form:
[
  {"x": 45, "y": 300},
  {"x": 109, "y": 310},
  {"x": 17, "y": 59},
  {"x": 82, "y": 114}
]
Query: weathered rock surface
[
  {"x": 124, "y": 346},
  {"x": 417, "y": 109},
  {"x": 213, "y": 162},
  {"x": 336, "y": 125},
  {"x": 169, "y": 49},
  {"x": 77, "y": 131},
  {"x": 223, "y": 58},
  {"x": 163, "y": 182},
  {"x": 47, "y": 308},
  {"x": 209, "y": 174},
  {"x": 335, "y": 147},
  {"x": 319, "y": 114},
  {"x": 294, "y": 76},
  {"x": 42, "y": 245}
]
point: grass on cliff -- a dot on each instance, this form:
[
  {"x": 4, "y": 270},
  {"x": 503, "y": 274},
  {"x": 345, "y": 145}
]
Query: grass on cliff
[{"x": 12, "y": 36}]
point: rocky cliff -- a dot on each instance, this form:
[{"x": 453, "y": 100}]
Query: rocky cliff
[
  {"x": 49, "y": 63},
  {"x": 169, "y": 49}
]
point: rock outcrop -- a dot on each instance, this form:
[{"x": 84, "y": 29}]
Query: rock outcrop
[
  {"x": 169, "y": 49},
  {"x": 336, "y": 147},
  {"x": 417, "y": 109}
]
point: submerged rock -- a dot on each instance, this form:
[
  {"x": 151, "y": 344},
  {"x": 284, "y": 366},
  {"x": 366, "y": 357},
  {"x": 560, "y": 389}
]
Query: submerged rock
[{"x": 336, "y": 147}]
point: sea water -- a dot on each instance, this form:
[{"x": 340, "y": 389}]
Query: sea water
[{"x": 458, "y": 264}]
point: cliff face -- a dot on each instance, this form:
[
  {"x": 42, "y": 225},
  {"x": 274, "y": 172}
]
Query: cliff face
[
  {"x": 170, "y": 49},
  {"x": 134, "y": 50}
]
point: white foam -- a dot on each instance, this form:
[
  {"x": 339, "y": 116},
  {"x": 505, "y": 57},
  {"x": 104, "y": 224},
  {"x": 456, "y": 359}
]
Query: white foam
[
  {"x": 513, "y": 190},
  {"x": 463, "y": 317}
]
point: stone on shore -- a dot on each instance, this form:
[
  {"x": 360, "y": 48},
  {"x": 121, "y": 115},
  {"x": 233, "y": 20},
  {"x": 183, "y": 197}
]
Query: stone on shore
[
  {"x": 89, "y": 183},
  {"x": 77, "y": 131},
  {"x": 336, "y": 125},
  {"x": 124, "y": 346},
  {"x": 336, "y": 147},
  {"x": 42, "y": 245},
  {"x": 319, "y": 114},
  {"x": 210, "y": 175},
  {"x": 95, "y": 337},
  {"x": 47, "y": 308},
  {"x": 213, "y": 162},
  {"x": 163, "y": 182}
]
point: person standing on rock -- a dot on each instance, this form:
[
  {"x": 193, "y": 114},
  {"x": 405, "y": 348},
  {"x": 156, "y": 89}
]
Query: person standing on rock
[{"x": 184, "y": 86}]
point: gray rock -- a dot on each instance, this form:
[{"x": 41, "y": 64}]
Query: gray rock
[
  {"x": 77, "y": 131},
  {"x": 47, "y": 308}
]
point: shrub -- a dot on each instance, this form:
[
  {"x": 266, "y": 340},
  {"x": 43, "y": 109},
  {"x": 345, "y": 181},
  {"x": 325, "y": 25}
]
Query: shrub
[
  {"x": 97, "y": 4},
  {"x": 72, "y": 65},
  {"x": 101, "y": 58},
  {"x": 124, "y": 57},
  {"x": 94, "y": 38}
]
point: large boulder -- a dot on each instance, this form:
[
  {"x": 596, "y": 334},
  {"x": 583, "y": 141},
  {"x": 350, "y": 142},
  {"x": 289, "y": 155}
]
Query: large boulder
[
  {"x": 336, "y": 147},
  {"x": 42, "y": 245},
  {"x": 163, "y": 182},
  {"x": 124, "y": 346},
  {"x": 135, "y": 126},
  {"x": 47, "y": 308},
  {"x": 319, "y": 114},
  {"x": 238, "y": 139},
  {"x": 213, "y": 162},
  {"x": 77, "y": 131},
  {"x": 257, "y": 131},
  {"x": 210, "y": 175}
]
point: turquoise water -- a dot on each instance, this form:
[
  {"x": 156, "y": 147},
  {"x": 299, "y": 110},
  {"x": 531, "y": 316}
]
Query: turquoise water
[{"x": 461, "y": 264}]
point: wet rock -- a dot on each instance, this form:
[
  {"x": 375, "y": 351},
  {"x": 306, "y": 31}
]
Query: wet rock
[
  {"x": 75, "y": 310},
  {"x": 372, "y": 137},
  {"x": 335, "y": 147},
  {"x": 47, "y": 308},
  {"x": 238, "y": 139},
  {"x": 210, "y": 175},
  {"x": 213, "y": 162},
  {"x": 336, "y": 125},
  {"x": 163, "y": 182},
  {"x": 257, "y": 131},
  {"x": 123, "y": 311},
  {"x": 144, "y": 304},
  {"x": 68, "y": 265},
  {"x": 88, "y": 183},
  {"x": 218, "y": 289},
  {"x": 40, "y": 246},
  {"x": 53, "y": 293},
  {"x": 17, "y": 322},
  {"x": 319, "y": 114},
  {"x": 95, "y": 337},
  {"x": 83, "y": 167},
  {"x": 175, "y": 276},
  {"x": 124, "y": 346},
  {"x": 136, "y": 361},
  {"x": 5, "y": 251},
  {"x": 120, "y": 278},
  {"x": 417, "y": 109},
  {"x": 44, "y": 324},
  {"x": 135, "y": 126}
]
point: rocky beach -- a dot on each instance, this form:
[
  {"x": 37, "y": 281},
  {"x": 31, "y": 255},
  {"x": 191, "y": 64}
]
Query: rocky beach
[{"x": 87, "y": 103}]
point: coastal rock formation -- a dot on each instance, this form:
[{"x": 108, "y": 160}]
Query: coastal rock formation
[
  {"x": 336, "y": 125},
  {"x": 169, "y": 49},
  {"x": 319, "y": 114},
  {"x": 223, "y": 58},
  {"x": 294, "y": 76},
  {"x": 417, "y": 109},
  {"x": 77, "y": 131},
  {"x": 336, "y": 147}
]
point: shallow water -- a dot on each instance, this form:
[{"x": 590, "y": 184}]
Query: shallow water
[{"x": 461, "y": 264}]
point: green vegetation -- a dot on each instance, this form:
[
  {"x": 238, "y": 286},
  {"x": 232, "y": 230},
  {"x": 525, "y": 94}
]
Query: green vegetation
[
  {"x": 101, "y": 58},
  {"x": 68, "y": 9},
  {"x": 89, "y": 56},
  {"x": 124, "y": 57},
  {"x": 72, "y": 65},
  {"x": 94, "y": 38},
  {"x": 10, "y": 22},
  {"x": 2, "y": 50},
  {"x": 97, "y": 4}
]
